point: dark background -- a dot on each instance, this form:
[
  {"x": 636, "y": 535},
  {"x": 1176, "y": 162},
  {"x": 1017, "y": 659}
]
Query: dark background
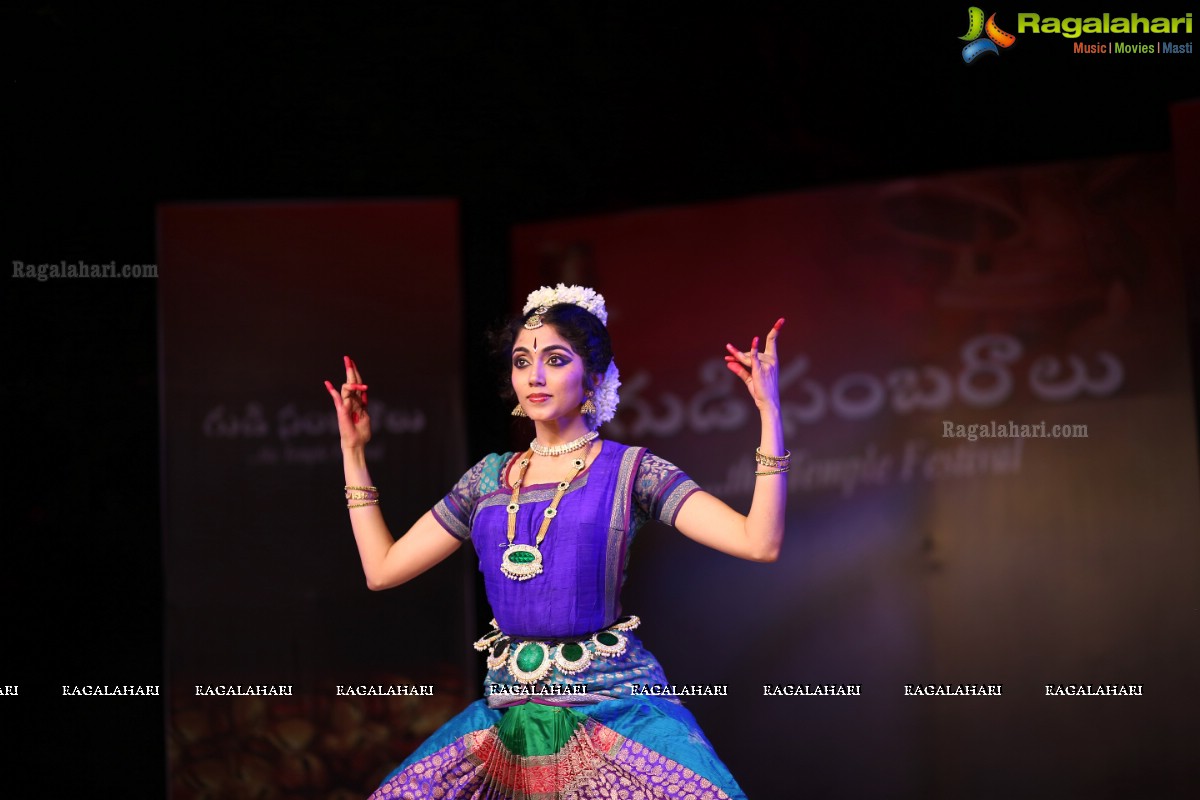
[{"x": 580, "y": 108}]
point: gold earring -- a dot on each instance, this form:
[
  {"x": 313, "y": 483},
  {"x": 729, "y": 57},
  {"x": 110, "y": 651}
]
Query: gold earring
[
  {"x": 588, "y": 406},
  {"x": 519, "y": 412}
]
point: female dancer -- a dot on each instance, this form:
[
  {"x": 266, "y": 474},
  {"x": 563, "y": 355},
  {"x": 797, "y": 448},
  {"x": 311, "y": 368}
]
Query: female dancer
[{"x": 569, "y": 709}]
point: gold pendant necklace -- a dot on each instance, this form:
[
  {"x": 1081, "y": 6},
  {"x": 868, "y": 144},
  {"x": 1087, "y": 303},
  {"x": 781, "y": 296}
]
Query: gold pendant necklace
[{"x": 524, "y": 561}]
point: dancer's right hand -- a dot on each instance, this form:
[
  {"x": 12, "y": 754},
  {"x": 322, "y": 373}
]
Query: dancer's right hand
[{"x": 354, "y": 423}]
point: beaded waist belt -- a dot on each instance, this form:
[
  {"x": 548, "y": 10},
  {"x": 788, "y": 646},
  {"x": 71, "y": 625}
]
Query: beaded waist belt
[{"x": 531, "y": 661}]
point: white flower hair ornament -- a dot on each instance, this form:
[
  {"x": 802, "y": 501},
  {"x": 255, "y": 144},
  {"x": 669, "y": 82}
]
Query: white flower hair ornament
[
  {"x": 606, "y": 397},
  {"x": 540, "y": 300},
  {"x": 588, "y": 299}
]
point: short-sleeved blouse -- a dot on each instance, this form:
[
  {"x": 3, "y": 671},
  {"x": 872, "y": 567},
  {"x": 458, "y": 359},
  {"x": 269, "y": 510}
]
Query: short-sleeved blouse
[{"x": 586, "y": 548}]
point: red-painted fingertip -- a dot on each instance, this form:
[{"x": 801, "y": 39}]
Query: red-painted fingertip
[{"x": 779, "y": 324}]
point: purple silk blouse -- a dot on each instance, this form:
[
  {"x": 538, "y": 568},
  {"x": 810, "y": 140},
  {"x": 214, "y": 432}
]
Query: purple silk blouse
[{"x": 586, "y": 548}]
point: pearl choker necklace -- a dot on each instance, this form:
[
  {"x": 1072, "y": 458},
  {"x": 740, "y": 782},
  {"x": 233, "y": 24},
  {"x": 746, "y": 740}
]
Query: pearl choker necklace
[{"x": 560, "y": 449}]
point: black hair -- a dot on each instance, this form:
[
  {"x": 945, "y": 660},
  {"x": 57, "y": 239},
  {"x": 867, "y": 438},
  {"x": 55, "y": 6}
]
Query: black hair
[{"x": 582, "y": 329}]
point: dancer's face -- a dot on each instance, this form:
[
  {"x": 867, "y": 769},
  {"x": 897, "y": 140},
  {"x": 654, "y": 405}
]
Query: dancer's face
[{"x": 547, "y": 374}]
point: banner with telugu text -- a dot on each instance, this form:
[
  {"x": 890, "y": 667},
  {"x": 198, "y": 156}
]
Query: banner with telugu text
[{"x": 986, "y": 389}]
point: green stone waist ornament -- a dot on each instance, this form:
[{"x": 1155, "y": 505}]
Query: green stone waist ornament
[
  {"x": 522, "y": 562},
  {"x": 532, "y": 661}
]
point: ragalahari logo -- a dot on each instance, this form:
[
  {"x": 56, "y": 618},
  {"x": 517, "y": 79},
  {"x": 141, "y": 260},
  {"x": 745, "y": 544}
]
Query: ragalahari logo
[{"x": 976, "y": 27}]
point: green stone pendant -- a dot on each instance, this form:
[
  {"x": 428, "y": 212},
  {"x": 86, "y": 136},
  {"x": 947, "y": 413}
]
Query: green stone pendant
[
  {"x": 530, "y": 663},
  {"x": 521, "y": 562},
  {"x": 529, "y": 657},
  {"x": 572, "y": 657},
  {"x": 609, "y": 643}
]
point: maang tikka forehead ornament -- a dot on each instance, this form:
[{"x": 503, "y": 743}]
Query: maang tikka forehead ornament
[
  {"x": 535, "y": 320},
  {"x": 540, "y": 301}
]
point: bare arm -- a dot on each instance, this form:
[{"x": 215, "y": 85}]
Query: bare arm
[
  {"x": 757, "y": 536},
  {"x": 386, "y": 561}
]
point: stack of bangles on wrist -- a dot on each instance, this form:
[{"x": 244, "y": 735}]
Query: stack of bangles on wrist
[
  {"x": 369, "y": 494},
  {"x": 775, "y": 465}
]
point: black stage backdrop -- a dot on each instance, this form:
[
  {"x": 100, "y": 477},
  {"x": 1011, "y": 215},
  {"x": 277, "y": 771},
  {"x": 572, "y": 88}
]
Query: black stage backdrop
[{"x": 258, "y": 304}]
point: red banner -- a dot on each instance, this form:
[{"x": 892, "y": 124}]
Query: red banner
[
  {"x": 271, "y": 630},
  {"x": 986, "y": 390}
]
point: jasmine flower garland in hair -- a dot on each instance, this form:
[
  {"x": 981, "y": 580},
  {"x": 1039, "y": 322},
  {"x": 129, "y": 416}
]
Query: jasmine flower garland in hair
[
  {"x": 606, "y": 397},
  {"x": 588, "y": 299}
]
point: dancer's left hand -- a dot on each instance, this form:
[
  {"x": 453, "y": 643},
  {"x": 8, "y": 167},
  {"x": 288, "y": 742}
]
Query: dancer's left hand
[{"x": 760, "y": 371}]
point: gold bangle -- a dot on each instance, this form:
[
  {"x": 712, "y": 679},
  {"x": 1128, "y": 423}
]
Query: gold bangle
[
  {"x": 772, "y": 461},
  {"x": 354, "y": 494},
  {"x": 773, "y": 472},
  {"x": 360, "y": 505},
  {"x": 363, "y": 488}
]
